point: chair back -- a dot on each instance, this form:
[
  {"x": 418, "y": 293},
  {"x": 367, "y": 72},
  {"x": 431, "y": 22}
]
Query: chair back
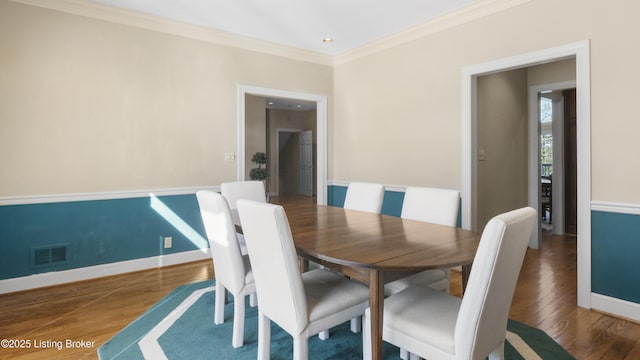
[
  {"x": 364, "y": 197},
  {"x": 438, "y": 206},
  {"x": 275, "y": 266},
  {"x": 482, "y": 321},
  {"x": 227, "y": 259},
  {"x": 236, "y": 190}
]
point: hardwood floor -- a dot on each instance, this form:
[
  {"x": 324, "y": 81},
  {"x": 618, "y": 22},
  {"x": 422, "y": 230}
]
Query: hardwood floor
[{"x": 95, "y": 310}]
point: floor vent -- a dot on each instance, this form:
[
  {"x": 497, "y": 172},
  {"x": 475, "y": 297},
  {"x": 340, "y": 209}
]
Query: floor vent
[{"x": 48, "y": 256}]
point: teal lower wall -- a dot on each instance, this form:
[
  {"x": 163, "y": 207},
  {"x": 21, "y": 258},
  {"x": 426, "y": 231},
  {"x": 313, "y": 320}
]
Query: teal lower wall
[
  {"x": 107, "y": 231},
  {"x": 615, "y": 255},
  {"x": 97, "y": 232}
]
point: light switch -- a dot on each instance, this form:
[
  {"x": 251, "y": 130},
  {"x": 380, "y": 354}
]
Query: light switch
[{"x": 229, "y": 156}]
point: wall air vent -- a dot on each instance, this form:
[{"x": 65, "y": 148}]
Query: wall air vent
[{"x": 49, "y": 256}]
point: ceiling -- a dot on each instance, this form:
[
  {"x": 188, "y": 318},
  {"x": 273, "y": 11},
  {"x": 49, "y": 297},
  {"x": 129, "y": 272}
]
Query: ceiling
[{"x": 300, "y": 24}]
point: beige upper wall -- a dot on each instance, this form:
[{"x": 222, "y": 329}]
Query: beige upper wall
[
  {"x": 397, "y": 112},
  {"x": 88, "y": 105},
  {"x": 92, "y": 106}
]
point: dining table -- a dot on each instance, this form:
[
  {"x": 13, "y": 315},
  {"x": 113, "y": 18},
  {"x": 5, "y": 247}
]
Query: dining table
[{"x": 376, "y": 249}]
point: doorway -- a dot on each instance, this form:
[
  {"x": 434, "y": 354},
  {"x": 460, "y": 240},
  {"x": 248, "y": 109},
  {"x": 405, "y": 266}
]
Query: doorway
[
  {"x": 580, "y": 51},
  {"x": 320, "y": 132},
  {"x": 294, "y": 162},
  {"x": 552, "y": 160}
]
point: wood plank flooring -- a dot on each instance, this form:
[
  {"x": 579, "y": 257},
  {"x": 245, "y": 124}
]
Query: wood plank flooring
[{"x": 95, "y": 310}]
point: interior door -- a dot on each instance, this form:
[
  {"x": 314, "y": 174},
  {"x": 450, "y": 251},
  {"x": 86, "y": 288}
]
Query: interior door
[
  {"x": 306, "y": 163},
  {"x": 570, "y": 162}
]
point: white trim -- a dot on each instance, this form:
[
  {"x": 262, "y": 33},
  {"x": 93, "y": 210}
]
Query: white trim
[
  {"x": 617, "y": 307},
  {"x": 163, "y": 25},
  {"x": 473, "y": 11},
  {"x": 396, "y": 188},
  {"x": 616, "y": 207},
  {"x": 579, "y": 50},
  {"x": 149, "y": 345},
  {"x": 56, "y": 198},
  {"x": 343, "y": 183},
  {"x": 534, "y": 157},
  {"x": 92, "y": 272},
  {"x": 321, "y": 130}
]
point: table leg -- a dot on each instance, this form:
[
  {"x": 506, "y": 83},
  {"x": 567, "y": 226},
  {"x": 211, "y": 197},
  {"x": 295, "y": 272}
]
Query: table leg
[
  {"x": 466, "y": 271},
  {"x": 304, "y": 264},
  {"x": 376, "y": 303}
]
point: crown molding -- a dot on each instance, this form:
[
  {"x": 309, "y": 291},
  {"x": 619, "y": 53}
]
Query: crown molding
[
  {"x": 476, "y": 10},
  {"x": 156, "y": 23},
  {"x": 89, "y": 9}
]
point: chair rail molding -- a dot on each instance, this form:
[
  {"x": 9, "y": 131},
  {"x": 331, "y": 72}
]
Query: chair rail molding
[
  {"x": 616, "y": 207},
  {"x": 107, "y": 195}
]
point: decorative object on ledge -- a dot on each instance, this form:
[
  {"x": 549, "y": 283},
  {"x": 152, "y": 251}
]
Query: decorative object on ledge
[{"x": 260, "y": 173}]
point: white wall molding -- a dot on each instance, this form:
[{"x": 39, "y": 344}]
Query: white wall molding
[
  {"x": 475, "y": 10},
  {"x": 97, "y": 271},
  {"x": 387, "y": 187},
  {"x": 616, "y": 307},
  {"x": 396, "y": 188},
  {"x": 155, "y": 23},
  {"x": 55, "y": 198},
  {"x": 616, "y": 207}
]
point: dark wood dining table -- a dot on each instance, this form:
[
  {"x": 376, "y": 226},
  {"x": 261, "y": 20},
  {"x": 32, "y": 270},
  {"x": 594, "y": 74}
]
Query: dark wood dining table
[{"x": 376, "y": 249}]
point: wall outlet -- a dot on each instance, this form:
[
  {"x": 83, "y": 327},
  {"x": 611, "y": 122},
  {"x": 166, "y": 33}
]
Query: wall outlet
[
  {"x": 229, "y": 156},
  {"x": 168, "y": 242}
]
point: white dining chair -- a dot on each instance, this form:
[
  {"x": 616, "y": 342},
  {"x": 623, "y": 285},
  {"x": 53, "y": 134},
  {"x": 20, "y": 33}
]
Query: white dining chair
[
  {"x": 301, "y": 304},
  {"x": 364, "y": 197},
  {"x": 232, "y": 271},
  {"x": 434, "y": 325},
  {"x": 438, "y": 206},
  {"x": 235, "y": 190}
]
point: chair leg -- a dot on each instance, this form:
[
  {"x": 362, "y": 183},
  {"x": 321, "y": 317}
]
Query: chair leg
[
  {"x": 497, "y": 353},
  {"x": 300, "y": 347},
  {"x": 253, "y": 300},
  {"x": 366, "y": 336},
  {"x": 218, "y": 312},
  {"x": 238, "y": 321},
  {"x": 264, "y": 336},
  {"x": 323, "y": 335},
  {"x": 356, "y": 324}
]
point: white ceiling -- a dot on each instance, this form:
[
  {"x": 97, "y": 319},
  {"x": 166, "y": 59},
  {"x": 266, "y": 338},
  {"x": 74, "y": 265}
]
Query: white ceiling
[{"x": 300, "y": 23}]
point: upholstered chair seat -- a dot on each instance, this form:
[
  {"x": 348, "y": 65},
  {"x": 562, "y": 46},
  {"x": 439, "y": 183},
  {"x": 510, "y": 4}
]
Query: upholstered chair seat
[
  {"x": 301, "y": 304},
  {"x": 434, "y": 325}
]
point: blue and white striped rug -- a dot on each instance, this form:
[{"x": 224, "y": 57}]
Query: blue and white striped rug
[{"x": 181, "y": 326}]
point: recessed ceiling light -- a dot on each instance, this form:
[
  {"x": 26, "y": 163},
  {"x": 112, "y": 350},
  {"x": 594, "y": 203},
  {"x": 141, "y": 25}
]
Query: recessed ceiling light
[
  {"x": 298, "y": 106},
  {"x": 327, "y": 40},
  {"x": 270, "y": 102}
]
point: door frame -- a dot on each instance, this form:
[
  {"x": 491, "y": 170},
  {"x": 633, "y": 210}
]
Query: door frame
[
  {"x": 580, "y": 51},
  {"x": 321, "y": 130},
  {"x": 534, "y": 157}
]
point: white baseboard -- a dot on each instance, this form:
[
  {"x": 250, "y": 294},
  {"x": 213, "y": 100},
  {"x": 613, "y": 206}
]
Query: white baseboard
[
  {"x": 617, "y": 307},
  {"x": 97, "y": 271}
]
